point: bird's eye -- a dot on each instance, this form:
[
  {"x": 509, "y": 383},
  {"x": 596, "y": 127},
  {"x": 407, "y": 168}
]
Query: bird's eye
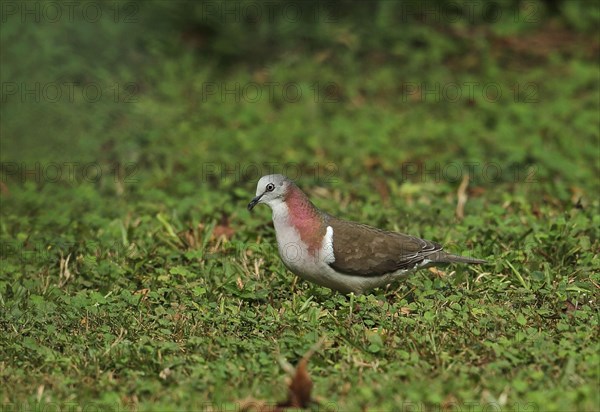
[{"x": 270, "y": 187}]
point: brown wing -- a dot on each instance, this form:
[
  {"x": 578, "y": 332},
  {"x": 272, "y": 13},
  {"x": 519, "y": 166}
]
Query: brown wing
[{"x": 363, "y": 250}]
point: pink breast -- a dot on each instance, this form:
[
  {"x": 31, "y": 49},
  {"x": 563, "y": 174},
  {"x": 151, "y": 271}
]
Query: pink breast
[{"x": 305, "y": 217}]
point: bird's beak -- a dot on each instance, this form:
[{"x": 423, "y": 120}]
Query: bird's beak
[{"x": 254, "y": 202}]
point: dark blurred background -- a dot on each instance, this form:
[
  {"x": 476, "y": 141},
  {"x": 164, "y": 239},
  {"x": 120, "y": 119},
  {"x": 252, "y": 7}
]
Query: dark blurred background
[{"x": 177, "y": 94}]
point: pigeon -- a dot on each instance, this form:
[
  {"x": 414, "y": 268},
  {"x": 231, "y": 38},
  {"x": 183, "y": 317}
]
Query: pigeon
[{"x": 341, "y": 255}]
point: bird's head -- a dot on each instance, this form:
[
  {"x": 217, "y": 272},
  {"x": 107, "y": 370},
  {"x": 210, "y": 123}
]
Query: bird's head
[{"x": 271, "y": 189}]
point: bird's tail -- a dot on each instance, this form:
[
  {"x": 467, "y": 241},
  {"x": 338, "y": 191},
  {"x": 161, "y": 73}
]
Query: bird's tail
[{"x": 449, "y": 258}]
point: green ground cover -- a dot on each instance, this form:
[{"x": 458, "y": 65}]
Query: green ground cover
[{"x": 132, "y": 276}]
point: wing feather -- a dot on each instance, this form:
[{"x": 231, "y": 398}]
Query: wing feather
[{"x": 362, "y": 250}]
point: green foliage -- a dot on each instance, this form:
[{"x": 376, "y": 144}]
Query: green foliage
[{"x": 139, "y": 280}]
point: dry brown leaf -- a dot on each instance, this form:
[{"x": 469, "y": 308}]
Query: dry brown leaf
[
  {"x": 449, "y": 403},
  {"x": 545, "y": 41},
  {"x": 226, "y": 231},
  {"x": 189, "y": 238},
  {"x": 569, "y": 307},
  {"x": 535, "y": 210},
  {"x": 439, "y": 273},
  {"x": 476, "y": 191},
  {"x": 462, "y": 197},
  {"x": 130, "y": 403},
  {"x": 64, "y": 272},
  {"x": 223, "y": 229},
  {"x": 143, "y": 292},
  {"x": 300, "y": 388},
  {"x": 299, "y": 393},
  {"x": 240, "y": 284},
  {"x": 382, "y": 189}
]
